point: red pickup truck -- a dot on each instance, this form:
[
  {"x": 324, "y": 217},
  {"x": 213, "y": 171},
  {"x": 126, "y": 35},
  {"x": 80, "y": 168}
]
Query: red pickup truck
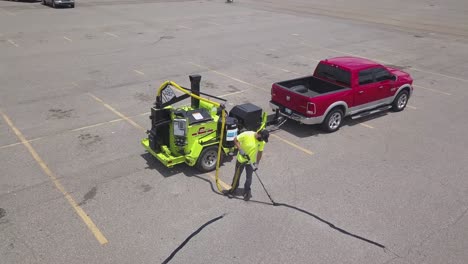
[{"x": 339, "y": 87}]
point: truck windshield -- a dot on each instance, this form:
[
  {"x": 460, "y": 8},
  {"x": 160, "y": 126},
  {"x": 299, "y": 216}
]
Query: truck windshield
[{"x": 333, "y": 73}]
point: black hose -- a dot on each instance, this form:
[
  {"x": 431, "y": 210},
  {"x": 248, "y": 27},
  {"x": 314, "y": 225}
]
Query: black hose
[
  {"x": 190, "y": 237},
  {"x": 315, "y": 216}
]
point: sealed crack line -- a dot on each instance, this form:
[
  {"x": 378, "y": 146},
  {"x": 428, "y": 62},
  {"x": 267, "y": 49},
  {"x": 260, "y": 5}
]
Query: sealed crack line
[{"x": 190, "y": 237}]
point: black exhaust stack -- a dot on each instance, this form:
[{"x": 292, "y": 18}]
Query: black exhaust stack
[{"x": 195, "y": 87}]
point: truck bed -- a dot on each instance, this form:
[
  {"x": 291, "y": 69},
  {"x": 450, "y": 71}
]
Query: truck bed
[{"x": 310, "y": 86}]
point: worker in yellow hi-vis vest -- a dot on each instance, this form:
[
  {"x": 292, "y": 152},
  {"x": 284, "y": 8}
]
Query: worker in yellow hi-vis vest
[{"x": 250, "y": 145}]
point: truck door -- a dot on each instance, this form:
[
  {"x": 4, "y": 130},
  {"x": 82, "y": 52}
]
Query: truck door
[
  {"x": 384, "y": 83},
  {"x": 366, "y": 91}
]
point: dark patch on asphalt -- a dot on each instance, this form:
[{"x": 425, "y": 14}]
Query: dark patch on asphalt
[
  {"x": 271, "y": 56},
  {"x": 209, "y": 85},
  {"x": 94, "y": 72},
  {"x": 2, "y": 213},
  {"x": 146, "y": 187},
  {"x": 88, "y": 196},
  {"x": 87, "y": 140},
  {"x": 163, "y": 37},
  {"x": 56, "y": 113},
  {"x": 418, "y": 36},
  {"x": 233, "y": 89},
  {"x": 142, "y": 97},
  {"x": 11, "y": 246},
  {"x": 398, "y": 66}
]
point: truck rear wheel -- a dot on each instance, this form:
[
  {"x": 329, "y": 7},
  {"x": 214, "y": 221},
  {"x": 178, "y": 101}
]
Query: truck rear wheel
[
  {"x": 207, "y": 160},
  {"x": 400, "y": 101},
  {"x": 333, "y": 120}
]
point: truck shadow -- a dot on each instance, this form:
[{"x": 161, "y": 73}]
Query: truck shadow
[{"x": 303, "y": 131}]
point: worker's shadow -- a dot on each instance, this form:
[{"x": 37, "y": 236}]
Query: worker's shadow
[{"x": 303, "y": 131}]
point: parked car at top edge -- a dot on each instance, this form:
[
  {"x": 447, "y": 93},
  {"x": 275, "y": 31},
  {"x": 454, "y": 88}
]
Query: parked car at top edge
[
  {"x": 339, "y": 87},
  {"x": 58, "y": 3}
]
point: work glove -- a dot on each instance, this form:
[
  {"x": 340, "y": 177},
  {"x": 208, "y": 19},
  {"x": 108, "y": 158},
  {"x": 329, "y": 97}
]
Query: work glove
[
  {"x": 254, "y": 166},
  {"x": 242, "y": 152}
]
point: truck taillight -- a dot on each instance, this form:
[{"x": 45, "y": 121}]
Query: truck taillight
[{"x": 310, "y": 108}]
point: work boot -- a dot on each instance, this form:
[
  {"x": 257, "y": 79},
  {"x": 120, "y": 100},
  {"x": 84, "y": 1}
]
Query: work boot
[
  {"x": 227, "y": 192},
  {"x": 247, "y": 195}
]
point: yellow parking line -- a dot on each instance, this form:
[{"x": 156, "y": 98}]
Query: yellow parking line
[
  {"x": 83, "y": 215},
  {"x": 292, "y": 144},
  {"x": 227, "y": 76},
  {"x": 139, "y": 72},
  {"x": 69, "y": 40},
  {"x": 366, "y": 125},
  {"x": 13, "y": 43},
  {"x": 117, "y": 112},
  {"x": 223, "y": 184}
]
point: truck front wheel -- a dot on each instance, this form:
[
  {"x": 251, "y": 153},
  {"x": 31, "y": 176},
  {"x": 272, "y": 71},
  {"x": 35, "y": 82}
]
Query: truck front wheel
[
  {"x": 333, "y": 120},
  {"x": 207, "y": 160},
  {"x": 400, "y": 101}
]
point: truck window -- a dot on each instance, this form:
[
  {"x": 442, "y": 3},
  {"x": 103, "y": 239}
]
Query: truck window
[
  {"x": 366, "y": 77},
  {"x": 333, "y": 73},
  {"x": 382, "y": 74}
]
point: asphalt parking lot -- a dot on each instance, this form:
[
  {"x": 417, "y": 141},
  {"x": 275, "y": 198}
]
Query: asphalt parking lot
[{"x": 76, "y": 87}]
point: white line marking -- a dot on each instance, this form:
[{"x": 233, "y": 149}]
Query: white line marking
[
  {"x": 68, "y": 39},
  {"x": 433, "y": 90},
  {"x": 139, "y": 72},
  {"x": 13, "y": 43},
  {"x": 242, "y": 58},
  {"x": 412, "y": 107},
  {"x": 224, "y": 95},
  {"x": 183, "y": 27},
  {"x": 214, "y": 23},
  {"x": 272, "y": 49},
  {"x": 295, "y": 34},
  {"x": 74, "y": 84},
  {"x": 110, "y": 34},
  {"x": 281, "y": 69}
]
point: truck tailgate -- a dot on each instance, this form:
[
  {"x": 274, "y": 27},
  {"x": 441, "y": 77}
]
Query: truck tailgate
[{"x": 289, "y": 99}]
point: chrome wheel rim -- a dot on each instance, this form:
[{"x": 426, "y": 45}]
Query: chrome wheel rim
[
  {"x": 335, "y": 121},
  {"x": 402, "y": 101}
]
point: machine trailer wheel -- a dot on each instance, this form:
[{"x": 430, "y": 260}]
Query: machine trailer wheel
[
  {"x": 333, "y": 120},
  {"x": 207, "y": 160},
  {"x": 400, "y": 101}
]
